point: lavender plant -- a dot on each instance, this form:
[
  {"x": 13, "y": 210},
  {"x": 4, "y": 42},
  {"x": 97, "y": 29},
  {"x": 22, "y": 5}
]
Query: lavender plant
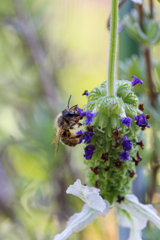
[{"x": 112, "y": 121}]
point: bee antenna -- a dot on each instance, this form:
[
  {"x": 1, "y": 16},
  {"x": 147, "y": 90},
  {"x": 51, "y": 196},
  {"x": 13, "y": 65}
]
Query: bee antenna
[{"x": 69, "y": 100}]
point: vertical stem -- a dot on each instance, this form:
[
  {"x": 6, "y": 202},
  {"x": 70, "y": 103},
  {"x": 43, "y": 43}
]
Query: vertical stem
[
  {"x": 151, "y": 8},
  {"x": 140, "y": 11},
  {"x": 109, "y": 19},
  {"x": 147, "y": 57},
  {"x": 148, "y": 64},
  {"x": 152, "y": 98},
  {"x": 113, "y": 49}
]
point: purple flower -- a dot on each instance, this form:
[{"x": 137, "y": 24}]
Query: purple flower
[
  {"x": 126, "y": 121},
  {"x": 81, "y": 112},
  {"x": 89, "y": 117},
  {"x": 127, "y": 144},
  {"x": 85, "y": 93},
  {"x": 136, "y": 81},
  {"x": 141, "y": 120},
  {"x": 82, "y": 138},
  {"x": 89, "y": 151},
  {"x": 88, "y": 136},
  {"x": 124, "y": 156}
]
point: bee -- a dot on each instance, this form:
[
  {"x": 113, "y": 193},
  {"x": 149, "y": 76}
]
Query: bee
[{"x": 64, "y": 122}]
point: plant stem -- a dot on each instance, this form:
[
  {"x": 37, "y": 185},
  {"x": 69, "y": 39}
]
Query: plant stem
[
  {"x": 147, "y": 57},
  {"x": 151, "y": 8},
  {"x": 109, "y": 19},
  {"x": 152, "y": 98},
  {"x": 113, "y": 49}
]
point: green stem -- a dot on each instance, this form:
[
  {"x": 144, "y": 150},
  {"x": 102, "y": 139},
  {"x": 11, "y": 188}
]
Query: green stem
[{"x": 112, "y": 50}]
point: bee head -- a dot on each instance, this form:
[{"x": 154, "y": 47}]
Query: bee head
[{"x": 68, "y": 113}]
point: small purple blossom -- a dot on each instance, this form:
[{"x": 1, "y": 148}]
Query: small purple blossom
[
  {"x": 81, "y": 112},
  {"x": 136, "y": 81},
  {"x": 141, "y": 120},
  {"x": 126, "y": 121},
  {"x": 124, "y": 156},
  {"x": 127, "y": 144},
  {"x": 89, "y": 117},
  {"x": 88, "y": 136},
  {"x": 85, "y": 93},
  {"x": 89, "y": 151},
  {"x": 82, "y": 138}
]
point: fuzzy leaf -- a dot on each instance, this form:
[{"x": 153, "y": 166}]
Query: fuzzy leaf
[
  {"x": 132, "y": 99},
  {"x": 123, "y": 88}
]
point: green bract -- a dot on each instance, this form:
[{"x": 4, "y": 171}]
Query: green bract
[
  {"x": 151, "y": 31},
  {"x": 113, "y": 181}
]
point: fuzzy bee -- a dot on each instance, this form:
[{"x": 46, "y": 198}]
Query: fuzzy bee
[{"x": 65, "y": 121}]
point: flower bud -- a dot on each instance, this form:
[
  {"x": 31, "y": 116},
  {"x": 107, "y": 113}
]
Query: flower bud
[{"x": 113, "y": 145}]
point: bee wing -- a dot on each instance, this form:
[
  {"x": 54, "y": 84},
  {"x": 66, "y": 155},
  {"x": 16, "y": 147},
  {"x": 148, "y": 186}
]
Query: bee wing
[
  {"x": 58, "y": 139},
  {"x": 54, "y": 136}
]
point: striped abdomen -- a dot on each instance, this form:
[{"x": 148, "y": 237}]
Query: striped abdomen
[
  {"x": 68, "y": 142},
  {"x": 69, "y": 138}
]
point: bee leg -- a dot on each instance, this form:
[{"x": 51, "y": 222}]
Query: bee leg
[
  {"x": 76, "y": 121},
  {"x": 80, "y": 124},
  {"x": 71, "y": 127},
  {"x": 77, "y": 136}
]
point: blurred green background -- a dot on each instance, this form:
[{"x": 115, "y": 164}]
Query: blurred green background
[{"x": 49, "y": 50}]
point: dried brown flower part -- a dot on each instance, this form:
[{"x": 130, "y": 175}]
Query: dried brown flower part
[
  {"x": 107, "y": 169},
  {"x": 148, "y": 116},
  {"x": 139, "y": 158},
  {"x": 136, "y": 161},
  {"x": 105, "y": 157},
  {"x": 116, "y": 132},
  {"x": 131, "y": 173},
  {"x": 95, "y": 170},
  {"x": 141, "y": 107},
  {"x": 141, "y": 144},
  {"x": 96, "y": 184},
  {"x": 116, "y": 139},
  {"x": 118, "y": 164}
]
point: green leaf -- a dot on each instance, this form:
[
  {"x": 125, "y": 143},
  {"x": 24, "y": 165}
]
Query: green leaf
[
  {"x": 150, "y": 33},
  {"x": 111, "y": 105},
  {"x": 123, "y": 88},
  {"x": 132, "y": 99},
  {"x": 130, "y": 110}
]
